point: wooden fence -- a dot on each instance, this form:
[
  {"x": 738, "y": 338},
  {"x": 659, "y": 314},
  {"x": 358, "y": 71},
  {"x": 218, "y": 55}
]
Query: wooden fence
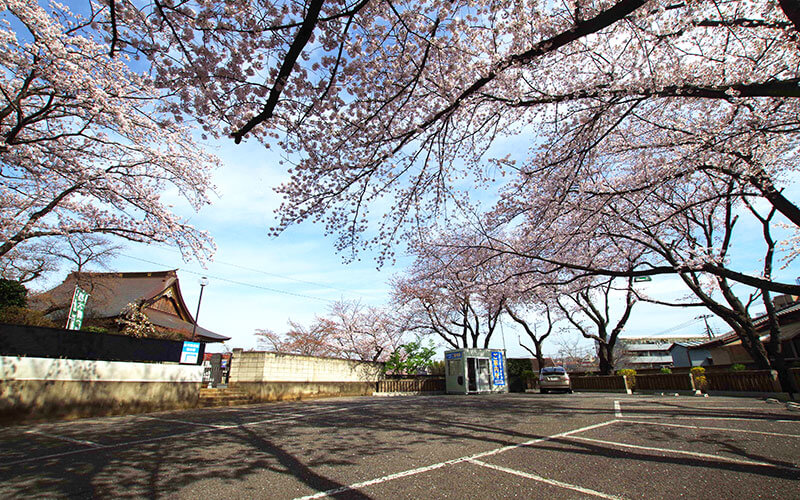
[
  {"x": 743, "y": 381},
  {"x": 599, "y": 383},
  {"x": 664, "y": 382},
  {"x": 411, "y": 385}
]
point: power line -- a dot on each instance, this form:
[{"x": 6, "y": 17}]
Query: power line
[
  {"x": 267, "y": 273},
  {"x": 241, "y": 283},
  {"x": 679, "y": 326}
]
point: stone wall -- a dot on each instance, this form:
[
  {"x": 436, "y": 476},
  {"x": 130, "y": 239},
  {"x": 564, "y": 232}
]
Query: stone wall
[
  {"x": 269, "y": 376},
  {"x": 41, "y": 388}
]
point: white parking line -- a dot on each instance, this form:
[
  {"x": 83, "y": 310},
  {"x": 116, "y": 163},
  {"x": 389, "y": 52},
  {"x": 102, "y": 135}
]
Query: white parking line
[
  {"x": 64, "y": 438},
  {"x": 617, "y": 409},
  {"x": 427, "y": 468},
  {"x": 703, "y": 428},
  {"x": 700, "y": 408},
  {"x": 678, "y": 452},
  {"x": 757, "y": 419},
  {"x": 185, "y": 422},
  {"x": 541, "y": 479}
]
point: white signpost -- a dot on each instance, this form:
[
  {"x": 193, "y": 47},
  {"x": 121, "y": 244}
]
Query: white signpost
[
  {"x": 76, "y": 309},
  {"x": 190, "y": 353}
]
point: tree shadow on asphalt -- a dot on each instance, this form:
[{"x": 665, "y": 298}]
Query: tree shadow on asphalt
[
  {"x": 675, "y": 410},
  {"x": 297, "y": 457},
  {"x": 775, "y": 469},
  {"x": 163, "y": 467}
]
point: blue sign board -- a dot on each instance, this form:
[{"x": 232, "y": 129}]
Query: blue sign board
[
  {"x": 190, "y": 353},
  {"x": 498, "y": 368},
  {"x": 453, "y": 355}
]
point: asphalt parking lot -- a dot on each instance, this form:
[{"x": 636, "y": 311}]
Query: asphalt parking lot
[{"x": 494, "y": 446}]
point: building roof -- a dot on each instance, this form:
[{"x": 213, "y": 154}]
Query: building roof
[
  {"x": 647, "y": 347},
  {"x": 690, "y": 343},
  {"x": 158, "y": 292},
  {"x": 760, "y": 322}
]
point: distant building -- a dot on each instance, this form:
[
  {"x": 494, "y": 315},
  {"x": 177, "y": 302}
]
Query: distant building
[
  {"x": 157, "y": 294},
  {"x": 647, "y": 352},
  {"x": 690, "y": 353},
  {"x": 727, "y": 349}
]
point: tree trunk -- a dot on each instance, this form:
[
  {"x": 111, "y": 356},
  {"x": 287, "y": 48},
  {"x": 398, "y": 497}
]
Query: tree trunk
[
  {"x": 539, "y": 354},
  {"x": 606, "y": 359},
  {"x": 775, "y": 352}
]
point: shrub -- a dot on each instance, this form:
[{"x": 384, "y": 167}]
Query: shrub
[
  {"x": 666, "y": 370},
  {"x": 516, "y": 366},
  {"x": 737, "y": 367},
  {"x": 437, "y": 368},
  {"x": 631, "y": 375},
  {"x": 12, "y": 294},
  {"x": 15, "y": 315},
  {"x": 94, "y": 329},
  {"x": 700, "y": 380},
  {"x": 410, "y": 358}
]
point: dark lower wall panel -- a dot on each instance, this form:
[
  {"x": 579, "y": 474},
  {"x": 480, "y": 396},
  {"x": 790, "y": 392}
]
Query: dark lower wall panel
[{"x": 25, "y": 401}]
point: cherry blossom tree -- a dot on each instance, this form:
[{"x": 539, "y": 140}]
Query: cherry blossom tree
[
  {"x": 82, "y": 250},
  {"x": 349, "y": 330},
  {"x": 408, "y": 100},
  {"x": 363, "y": 333},
  {"x": 531, "y": 328},
  {"x": 28, "y": 262},
  {"x": 685, "y": 226},
  {"x": 588, "y": 310},
  {"x": 83, "y": 144},
  {"x": 307, "y": 341},
  {"x": 452, "y": 294}
]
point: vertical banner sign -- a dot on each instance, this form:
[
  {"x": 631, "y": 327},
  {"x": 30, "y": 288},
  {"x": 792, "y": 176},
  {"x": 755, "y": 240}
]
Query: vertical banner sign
[
  {"x": 498, "y": 370},
  {"x": 190, "y": 353},
  {"x": 75, "y": 318}
]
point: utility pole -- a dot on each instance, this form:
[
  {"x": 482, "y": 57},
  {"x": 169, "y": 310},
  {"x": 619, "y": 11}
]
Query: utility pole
[{"x": 705, "y": 317}]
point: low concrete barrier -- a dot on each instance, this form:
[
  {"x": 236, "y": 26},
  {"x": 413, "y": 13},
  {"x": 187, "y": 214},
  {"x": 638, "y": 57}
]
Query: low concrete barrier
[{"x": 44, "y": 388}]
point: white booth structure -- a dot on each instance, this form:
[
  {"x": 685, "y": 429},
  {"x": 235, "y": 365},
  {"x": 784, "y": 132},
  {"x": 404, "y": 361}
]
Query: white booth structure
[{"x": 473, "y": 371}]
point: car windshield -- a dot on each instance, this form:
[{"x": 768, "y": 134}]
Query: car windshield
[{"x": 553, "y": 370}]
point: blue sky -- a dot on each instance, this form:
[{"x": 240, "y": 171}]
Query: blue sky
[{"x": 257, "y": 281}]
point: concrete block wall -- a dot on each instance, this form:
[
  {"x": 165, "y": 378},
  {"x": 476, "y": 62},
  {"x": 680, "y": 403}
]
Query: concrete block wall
[
  {"x": 269, "y": 376},
  {"x": 259, "y": 366}
]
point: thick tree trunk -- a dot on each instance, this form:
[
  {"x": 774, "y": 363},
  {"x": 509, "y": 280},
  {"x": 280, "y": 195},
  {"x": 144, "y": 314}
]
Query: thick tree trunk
[
  {"x": 606, "y": 359},
  {"x": 775, "y": 352},
  {"x": 792, "y": 10}
]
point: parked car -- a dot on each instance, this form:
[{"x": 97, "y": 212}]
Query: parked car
[{"x": 554, "y": 378}]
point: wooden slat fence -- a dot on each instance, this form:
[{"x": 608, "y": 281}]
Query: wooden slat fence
[
  {"x": 664, "y": 382},
  {"x": 411, "y": 385},
  {"x": 744, "y": 381},
  {"x": 599, "y": 383}
]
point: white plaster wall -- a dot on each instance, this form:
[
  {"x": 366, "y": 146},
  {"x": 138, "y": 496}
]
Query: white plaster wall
[{"x": 24, "y": 368}]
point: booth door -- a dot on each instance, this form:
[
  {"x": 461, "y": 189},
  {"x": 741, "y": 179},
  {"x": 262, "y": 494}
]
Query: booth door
[{"x": 479, "y": 375}]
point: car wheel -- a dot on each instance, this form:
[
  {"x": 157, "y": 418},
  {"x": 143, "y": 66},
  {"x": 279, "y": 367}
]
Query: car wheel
[{"x": 569, "y": 391}]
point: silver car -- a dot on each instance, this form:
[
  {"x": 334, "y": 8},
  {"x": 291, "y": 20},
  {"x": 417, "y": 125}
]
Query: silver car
[{"x": 554, "y": 378}]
